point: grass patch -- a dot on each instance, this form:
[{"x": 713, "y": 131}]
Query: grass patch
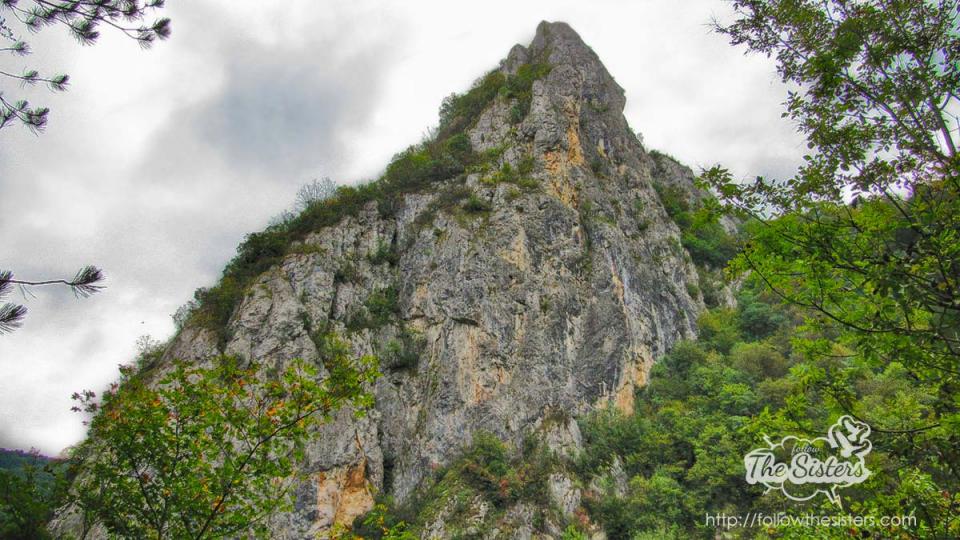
[
  {"x": 477, "y": 205},
  {"x": 519, "y": 175}
]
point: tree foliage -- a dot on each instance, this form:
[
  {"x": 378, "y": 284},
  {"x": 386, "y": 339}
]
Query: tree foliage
[
  {"x": 865, "y": 239},
  {"x": 207, "y": 452},
  {"x": 30, "y": 491},
  {"x": 83, "y": 19},
  {"x": 878, "y": 98},
  {"x": 878, "y": 101}
]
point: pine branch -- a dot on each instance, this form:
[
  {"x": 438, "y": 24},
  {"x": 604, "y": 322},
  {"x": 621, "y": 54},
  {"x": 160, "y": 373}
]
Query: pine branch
[
  {"x": 57, "y": 83},
  {"x": 83, "y": 284},
  {"x": 11, "y": 317},
  {"x": 35, "y": 119},
  {"x": 83, "y": 19}
]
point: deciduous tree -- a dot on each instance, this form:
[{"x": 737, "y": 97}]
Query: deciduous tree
[
  {"x": 207, "y": 452},
  {"x": 866, "y": 235}
]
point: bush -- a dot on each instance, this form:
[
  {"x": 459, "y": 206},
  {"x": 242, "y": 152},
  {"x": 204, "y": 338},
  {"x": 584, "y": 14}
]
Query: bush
[
  {"x": 383, "y": 304},
  {"x": 520, "y": 87},
  {"x": 149, "y": 352},
  {"x": 674, "y": 201},
  {"x": 607, "y": 433},
  {"x": 216, "y": 305},
  {"x": 485, "y": 465},
  {"x": 385, "y": 253},
  {"x": 718, "y": 329},
  {"x": 759, "y": 360},
  {"x": 379, "y": 309},
  {"x": 505, "y": 174},
  {"x": 504, "y": 479},
  {"x": 30, "y": 494},
  {"x": 707, "y": 241},
  {"x": 475, "y": 205},
  {"x": 519, "y": 175},
  {"x": 757, "y": 319},
  {"x": 347, "y": 273},
  {"x": 404, "y": 352},
  {"x": 459, "y": 112},
  {"x": 517, "y": 114},
  {"x": 711, "y": 286},
  {"x": 572, "y": 533},
  {"x": 598, "y": 166}
]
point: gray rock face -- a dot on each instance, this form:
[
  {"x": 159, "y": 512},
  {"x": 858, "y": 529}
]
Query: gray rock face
[{"x": 558, "y": 299}]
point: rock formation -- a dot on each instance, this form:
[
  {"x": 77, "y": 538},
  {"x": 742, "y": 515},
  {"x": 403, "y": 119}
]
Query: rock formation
[{"x": 555, "y": 296}]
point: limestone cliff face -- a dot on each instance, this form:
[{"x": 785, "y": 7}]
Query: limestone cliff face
[{"x": 558, "y": 298}]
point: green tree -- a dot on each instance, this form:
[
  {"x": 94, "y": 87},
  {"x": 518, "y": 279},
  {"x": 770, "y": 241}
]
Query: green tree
[
  {"x": 29, "y": 495},
  {"x": 83, "y": 19},
  {"x": 878, "y": 83},
  {"x": 207, "y": 452},
  {"x": 865, "y": 238}
]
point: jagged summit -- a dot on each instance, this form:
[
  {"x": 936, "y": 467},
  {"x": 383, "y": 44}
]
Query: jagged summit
[
  {"x": 515, "y": 272},
  {"x": 559, "y": 45},
  {"x": 554, "y": 42}
]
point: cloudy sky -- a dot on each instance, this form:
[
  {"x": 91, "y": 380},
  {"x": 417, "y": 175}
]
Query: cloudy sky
[{"x": 156, "y": 163}]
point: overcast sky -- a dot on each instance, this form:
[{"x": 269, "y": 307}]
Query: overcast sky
[{"x": 155, "y": 164}]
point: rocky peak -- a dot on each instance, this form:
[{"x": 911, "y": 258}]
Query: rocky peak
[
  {"x": 541, "y": 277},
  {"x": 576, "y": 113},
  {"x": 557, "y": 44}
]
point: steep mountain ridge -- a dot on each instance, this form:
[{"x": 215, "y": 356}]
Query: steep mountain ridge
[
  {"x": 558, "y": 299},
  {"x": 540, "y": 282}
]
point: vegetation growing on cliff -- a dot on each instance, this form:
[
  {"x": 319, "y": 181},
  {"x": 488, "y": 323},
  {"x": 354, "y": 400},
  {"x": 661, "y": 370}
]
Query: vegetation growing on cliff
[
  {"x": 445, "y": 156},
  {"x": 488, "y": 472},
  {"x": 702, "y": 235},
  {"x": 709, "y": 402}
]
